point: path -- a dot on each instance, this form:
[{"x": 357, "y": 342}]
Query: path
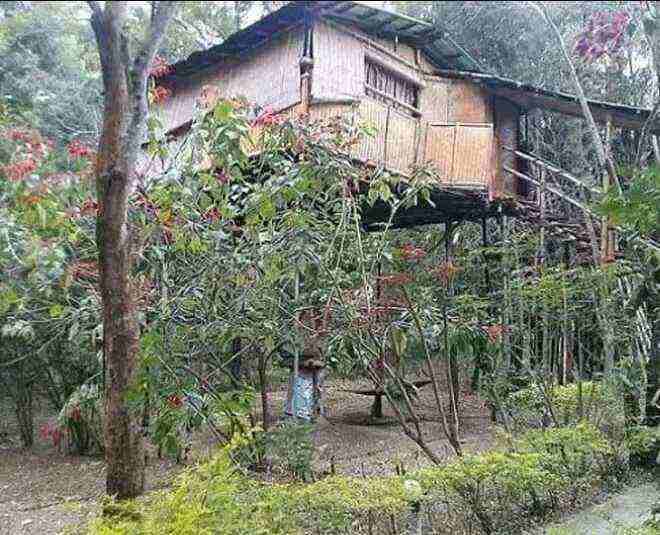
[{"x": 626, "y": 510}]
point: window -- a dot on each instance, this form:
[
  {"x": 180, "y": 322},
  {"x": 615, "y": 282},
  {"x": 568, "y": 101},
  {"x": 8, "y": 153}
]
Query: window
[{"x": 387, "y": 86}]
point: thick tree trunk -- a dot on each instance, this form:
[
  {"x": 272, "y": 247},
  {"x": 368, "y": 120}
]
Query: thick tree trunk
[
  {"x": 123, "y": 437},
  {"x": 124, "y": 125}
]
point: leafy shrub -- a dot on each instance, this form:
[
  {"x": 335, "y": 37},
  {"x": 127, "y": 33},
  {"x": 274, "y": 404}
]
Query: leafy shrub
[
  {"x": 538, "y": 406},
  {"x": 643, "y": 443},
  {"x": 285, "y": 451},
  {"x": 79, "y": 425},
  {"x": 494, "y": 492}
]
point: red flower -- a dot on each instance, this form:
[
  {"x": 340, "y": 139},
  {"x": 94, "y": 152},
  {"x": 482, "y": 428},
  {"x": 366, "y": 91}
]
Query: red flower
[
  {"x": 89, "y": 207},
  {"x": 212, "y": 215},
  {"x": 160, "y": 67},
  {"x": 174, "y": 401},
  {"x": 160, "y": 94},
  {"x": 19, "y": 170},
  {"x": 223, "y": 177},
  {"x": 268, "y": 117},
  {"x": 410, "y": 252},
  {"x": 77, "y": 150}
]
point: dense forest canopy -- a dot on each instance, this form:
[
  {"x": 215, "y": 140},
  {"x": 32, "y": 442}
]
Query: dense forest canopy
[{"x": 157, "y": 287}]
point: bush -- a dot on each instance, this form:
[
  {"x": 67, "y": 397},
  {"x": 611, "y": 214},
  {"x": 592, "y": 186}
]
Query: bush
[
  {"x": 495, "y": 492},
  {"x": 643, "y": 443},
  {"x": 79, "y": 425},
  {"x": 537, "y": 406}
]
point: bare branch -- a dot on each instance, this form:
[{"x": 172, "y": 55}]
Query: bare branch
[
  {"x": 603, "y": 158},
  {"x": 95, "y": 7}
]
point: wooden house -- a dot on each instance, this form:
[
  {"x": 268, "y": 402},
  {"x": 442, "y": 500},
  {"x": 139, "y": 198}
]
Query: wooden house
[{"x": 428, "y": 99}]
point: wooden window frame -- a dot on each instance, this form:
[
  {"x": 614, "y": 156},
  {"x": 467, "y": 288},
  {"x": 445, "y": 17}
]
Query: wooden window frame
[{"x": 400, "y": 80}]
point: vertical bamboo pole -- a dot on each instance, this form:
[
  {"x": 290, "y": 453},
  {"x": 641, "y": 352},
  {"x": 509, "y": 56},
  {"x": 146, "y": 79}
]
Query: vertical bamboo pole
[
  {"x": 452, "y": 368},
  {"x": 605, "y": 234},
  {"x": 296, "y": 353}
]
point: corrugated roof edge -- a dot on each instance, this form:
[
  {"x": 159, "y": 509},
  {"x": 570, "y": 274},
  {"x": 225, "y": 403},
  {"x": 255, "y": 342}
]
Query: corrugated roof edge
[{"x": 293, "y": 14}]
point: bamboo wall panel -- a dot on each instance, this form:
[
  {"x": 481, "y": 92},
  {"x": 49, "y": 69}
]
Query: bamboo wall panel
[
  {"x": 472, "y": 155},
  {"x": 338, "y": 64},
  {"x": 434, "y": 101},
  {"x": 373, "y": 114},
  {"x": 469, "y": 103},
  {"x": 270, "y": 76},
  {"x": 401, "y": 141},
  {"x": 329, "y": 111},
  {"x": 440, "y": 140}
]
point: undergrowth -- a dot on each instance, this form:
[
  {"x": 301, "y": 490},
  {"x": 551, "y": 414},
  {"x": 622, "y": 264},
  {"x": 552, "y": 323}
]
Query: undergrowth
[{"x": 539, "y": 474}]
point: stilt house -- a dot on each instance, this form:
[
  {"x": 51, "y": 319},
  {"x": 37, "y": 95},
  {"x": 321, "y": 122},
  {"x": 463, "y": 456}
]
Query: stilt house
[{"x": 427, "y": 98}]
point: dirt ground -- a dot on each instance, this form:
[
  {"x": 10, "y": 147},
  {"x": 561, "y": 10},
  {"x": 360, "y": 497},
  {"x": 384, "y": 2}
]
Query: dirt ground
[{"x": 44, "y": 492}]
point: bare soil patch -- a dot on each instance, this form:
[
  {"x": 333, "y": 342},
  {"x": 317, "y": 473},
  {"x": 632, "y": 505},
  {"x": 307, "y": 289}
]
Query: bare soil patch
[{"x": 43, "y": 492}]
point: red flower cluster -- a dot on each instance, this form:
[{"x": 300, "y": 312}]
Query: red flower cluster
[
  {"x": 77, "y": 150},
  {"x": 213, "y": 215},
  {"x": 174, "y": 401},
  {"x": 19, "y": 170},
  {"x": 395, "y": 279},
  {"x": 410, "y": 252},
  {"x": 52, "y": 432},
  {"x": 604, "y": 35},
  {"x": 160, "y": 67},
  {"x": 89, "y": 207},
  {"x": 267, "y": 118},
  {"x": 160, "y": 94},
  {"x": 222, "y": 177}
]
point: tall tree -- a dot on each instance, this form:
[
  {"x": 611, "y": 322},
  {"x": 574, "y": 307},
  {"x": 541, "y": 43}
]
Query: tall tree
[{"x": 125, "y": 78}]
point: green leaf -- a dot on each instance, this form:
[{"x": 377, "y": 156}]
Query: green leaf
[{"x": 56, "y": 311}]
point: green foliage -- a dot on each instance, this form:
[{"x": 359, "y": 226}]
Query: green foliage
[
  {"x": 496, "y": 492},
  {"x": 539, "y": 405},
  {"x": 81, "y": 420},
  {"x": 285, "y": 451},
  {"x": 638, "y": 208}
]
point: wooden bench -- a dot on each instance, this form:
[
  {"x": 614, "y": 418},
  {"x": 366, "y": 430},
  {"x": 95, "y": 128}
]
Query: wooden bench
[{"x": 378, "y": 393}]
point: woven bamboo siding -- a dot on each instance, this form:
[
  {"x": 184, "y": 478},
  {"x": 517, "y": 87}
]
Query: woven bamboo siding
[
  {"x": 270, "y": 76},
  {"x": 434, "y": 101},
  {"x": 473, "y": 155},
  {"x": 440, "y": 140},
  {"x": 373, "y": 114},
  {"x": 338, "y": 64},
  {"x": 461, "y": 154},
  {"x": 401, "y": 140},
  {"x": 469, "y": 104}
]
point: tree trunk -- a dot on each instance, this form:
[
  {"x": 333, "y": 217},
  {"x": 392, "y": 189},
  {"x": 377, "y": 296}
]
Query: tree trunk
[
  {"x": 263, "y": 385},
  {"x": 124, "y": 127}
]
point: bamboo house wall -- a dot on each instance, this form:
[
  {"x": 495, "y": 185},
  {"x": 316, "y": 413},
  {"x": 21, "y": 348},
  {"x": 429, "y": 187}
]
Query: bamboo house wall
[{"x": 455, "y": 124}]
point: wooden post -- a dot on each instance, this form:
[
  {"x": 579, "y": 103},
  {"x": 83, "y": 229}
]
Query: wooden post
[
  {"x": 606, "y": 233},
  {"x": 306, "y": 68},
  {"x": 542, "y": 193}
]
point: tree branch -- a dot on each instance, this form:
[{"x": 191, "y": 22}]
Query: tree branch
[{"x": 95, "y": 7}]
